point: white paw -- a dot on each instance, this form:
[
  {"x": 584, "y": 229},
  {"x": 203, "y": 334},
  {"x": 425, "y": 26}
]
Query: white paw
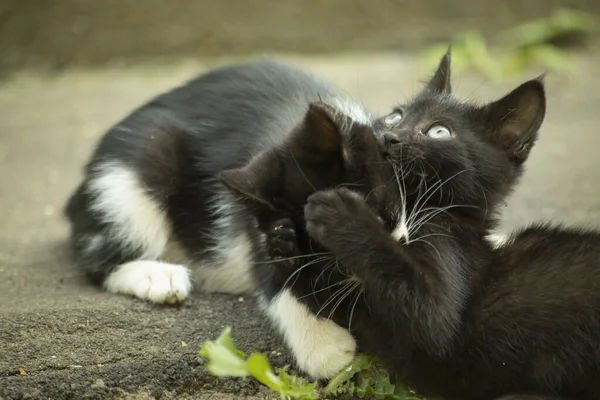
[
  {"x": 321, "y": 347},
  {"x": 151, "y": 280},
  {"x": 328, "y": 350}
]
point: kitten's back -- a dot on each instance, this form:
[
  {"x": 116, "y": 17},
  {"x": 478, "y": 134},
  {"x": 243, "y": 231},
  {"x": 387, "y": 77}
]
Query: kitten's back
[{"x": 150, "y": 195}]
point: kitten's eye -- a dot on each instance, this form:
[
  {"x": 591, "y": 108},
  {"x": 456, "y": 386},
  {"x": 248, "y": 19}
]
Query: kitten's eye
[
  {"x": 393, "y": 119},
  {"x": 438, "y": 132}
]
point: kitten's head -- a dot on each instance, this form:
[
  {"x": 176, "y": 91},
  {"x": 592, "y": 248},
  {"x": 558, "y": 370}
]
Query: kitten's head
[
  {"x": 326, "y": 149},
  {"x": 461, "y": 153}
]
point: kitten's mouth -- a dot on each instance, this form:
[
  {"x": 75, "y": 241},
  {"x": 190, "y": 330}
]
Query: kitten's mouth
[
  {"x": 383, "y": 149},
  {"x": 386, "y": 153}
]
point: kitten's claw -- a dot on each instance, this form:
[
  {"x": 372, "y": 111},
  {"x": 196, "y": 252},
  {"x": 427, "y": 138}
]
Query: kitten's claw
[{"x": 281, "y": 242}]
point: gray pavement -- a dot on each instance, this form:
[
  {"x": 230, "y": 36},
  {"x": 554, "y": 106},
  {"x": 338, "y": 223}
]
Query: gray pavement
[{"x": 74, "y": 341}]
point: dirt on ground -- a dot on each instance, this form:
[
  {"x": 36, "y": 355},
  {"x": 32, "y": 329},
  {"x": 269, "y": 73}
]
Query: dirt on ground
[{"x": 61, "y": 338}]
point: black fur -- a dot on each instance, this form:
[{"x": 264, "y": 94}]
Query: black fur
[
  {"x": 181, "y": 173},
  {"x": 177, "y": 143},
  {"x": 446, "y": 312}
]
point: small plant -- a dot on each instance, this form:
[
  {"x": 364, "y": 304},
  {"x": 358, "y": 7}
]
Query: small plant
[
  {"x": 537, "y": 43},
  {"x": 364, "y": 377}
]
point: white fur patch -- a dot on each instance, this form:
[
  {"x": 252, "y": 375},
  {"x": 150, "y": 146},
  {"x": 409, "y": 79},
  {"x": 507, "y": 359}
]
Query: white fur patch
[
  {"x": 230, "y": 268},
  {"x": 230, "y": 272},
  {"x": 151, "y": 280},
  {"x": 352, "y": 109},
  {"x": 136, "y": 220},
  {"x": 497, "y": 240},
  {"x": 321, "y": 347},
  {"x": 94, "y": 242},
  {"x": 401, "y": 231}
]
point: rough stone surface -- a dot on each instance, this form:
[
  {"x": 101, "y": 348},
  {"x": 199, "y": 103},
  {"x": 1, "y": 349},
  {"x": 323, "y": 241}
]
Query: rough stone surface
[{"x": 76, "y": 342}]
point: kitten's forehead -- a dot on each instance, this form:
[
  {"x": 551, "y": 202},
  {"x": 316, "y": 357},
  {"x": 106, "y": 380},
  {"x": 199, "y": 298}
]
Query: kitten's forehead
[{"x": 428, "y": 105}]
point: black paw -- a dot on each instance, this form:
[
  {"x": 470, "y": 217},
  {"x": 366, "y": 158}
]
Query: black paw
[
  {"x": 282, "y": 246},
  {"x": 333, "y": 216}
]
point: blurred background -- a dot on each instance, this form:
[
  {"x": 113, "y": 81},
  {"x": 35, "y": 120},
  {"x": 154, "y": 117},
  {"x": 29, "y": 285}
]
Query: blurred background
[
  {"x": 69, "y": 69},
  {"x": 67, "y": 33}
]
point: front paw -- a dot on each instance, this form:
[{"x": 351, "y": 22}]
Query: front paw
[
  {"x": 332, "y": 213},
  {"x": 282, "y": 246}
]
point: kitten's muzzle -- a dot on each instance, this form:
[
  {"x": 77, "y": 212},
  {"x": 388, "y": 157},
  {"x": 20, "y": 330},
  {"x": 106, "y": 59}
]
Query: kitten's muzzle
[
  {"x": 387, "y": 142},
  {"x": 390, "y": 139}
]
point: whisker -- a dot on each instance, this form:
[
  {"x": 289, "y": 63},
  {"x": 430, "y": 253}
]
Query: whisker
[
  {"x": 418, "y": 224},
  {"x": 355, "y": 184},
  {"x": 325, "y": 268},
  {"x": 351, "y": 288},
  {"x": 433, "y": 234},
  {"x": 361, "y": 291},
  {"x": 322, "y": 289},
  {"x": 297, "y": 271},
  {"x": 291, "y": 258},
  {"x": 302, "y": 173},
  {"x": 422, "y": 200},
  {"x": 432, "y": 246},
  {"x": 334, "y": 296}
]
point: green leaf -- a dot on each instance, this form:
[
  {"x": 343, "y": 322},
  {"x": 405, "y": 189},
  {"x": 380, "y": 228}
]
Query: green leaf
[
  {"x": 360, "y": 363},
  {"x": 224, "y": 358},
  {"x": 364, "y": 377},
  {"x": 260, "y": 369}
]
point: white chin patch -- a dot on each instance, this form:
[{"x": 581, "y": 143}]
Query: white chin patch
[
  {"x": 151, "y": 280},
  {"x": 401, "y": 231},
  {"x": 320, "y": 347}
]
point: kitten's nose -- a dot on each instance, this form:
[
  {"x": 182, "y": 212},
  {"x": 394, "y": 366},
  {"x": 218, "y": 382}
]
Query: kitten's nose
[{"x": 390, "y": 139}]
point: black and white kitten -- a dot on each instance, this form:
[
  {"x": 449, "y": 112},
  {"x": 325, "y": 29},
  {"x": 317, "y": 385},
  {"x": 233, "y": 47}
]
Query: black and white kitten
[
  {"x": 415, "y": 280},
  {"x": 152, "y": 217}
]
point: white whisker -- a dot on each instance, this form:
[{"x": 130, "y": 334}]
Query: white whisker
[
  {"x": 360, "y": 292},
  {"x": 351, "y": 288},
  {"x": 291, "y": 258},
  {"x": 297, "y": 271},
  {"x": 432, "y": 246}
]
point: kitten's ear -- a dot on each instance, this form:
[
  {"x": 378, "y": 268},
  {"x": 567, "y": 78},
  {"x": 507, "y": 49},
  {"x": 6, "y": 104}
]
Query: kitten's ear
[
  {"x": 256, "y": 183},
  {"x": 513, "y": 121},
  {"x": 320, "y": 133},
  {"x": 440, "y": 82}
]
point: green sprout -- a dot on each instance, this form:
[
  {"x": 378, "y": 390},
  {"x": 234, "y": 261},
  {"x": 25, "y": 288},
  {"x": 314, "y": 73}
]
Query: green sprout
[
  {"x": 364, "y": 377},
  {"x": 541, "y": 43}
]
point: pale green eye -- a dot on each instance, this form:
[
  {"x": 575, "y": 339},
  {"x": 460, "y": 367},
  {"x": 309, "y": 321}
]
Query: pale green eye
[
  {"x": 393, "y": 119},
  {"x": 438, "y": 132}
]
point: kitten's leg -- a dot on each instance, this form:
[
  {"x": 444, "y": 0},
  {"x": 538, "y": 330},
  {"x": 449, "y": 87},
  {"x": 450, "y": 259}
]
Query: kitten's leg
[
  {"x": 120, "y": 232},
  {"x": 320, "y": 347},
  {"x": 226, "y": 267},
  {"x": 421, "y": 286}
]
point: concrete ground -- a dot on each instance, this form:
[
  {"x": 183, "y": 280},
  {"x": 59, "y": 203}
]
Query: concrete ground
[{"x": 73, "y": 341}]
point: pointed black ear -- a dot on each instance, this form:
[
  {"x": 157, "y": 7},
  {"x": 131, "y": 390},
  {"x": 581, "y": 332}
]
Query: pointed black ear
[
  {"x": 257, "y": 183},
  {"x": 513, "y": 121},
  {"x": 440, "y": 82},
  {"x": 320, "y": 132}
]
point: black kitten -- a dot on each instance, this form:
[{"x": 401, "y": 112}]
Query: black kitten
[
  {"x": 153, "y": 214},
  {"x": 449, "y": 314}
]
